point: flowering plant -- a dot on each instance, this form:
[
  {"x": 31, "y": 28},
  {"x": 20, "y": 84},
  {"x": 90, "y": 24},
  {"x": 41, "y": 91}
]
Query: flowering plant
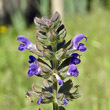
[{"x": 63, "y": 58}]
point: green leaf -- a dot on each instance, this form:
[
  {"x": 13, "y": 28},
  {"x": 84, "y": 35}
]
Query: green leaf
[
  {"x": 36, "y": 88},
  {"x": 48, "y": 54},
  {"x": 47, "y": 97},
  {"x": 69, "y": 52},
  {"x": 45, "y": 68},
  {"x": 68, "y": 45},
  {"x": 48, "y": 85},
  {"x": 74, "y": 89},
  {"x": 40, "y": 24},
  {"x": 66, "y": 87},
  {"x": 61, "y": 31},
  {"x": 60, "y": 54},
  {"x": 55, "y": 19},
  {"x": 64, "y": 64},
  {"x": 75, "y": 96},
  {"x": 32, "y": 96},
  {"x": 51, "y": 36},
  {"x": 39, "y": 46}
]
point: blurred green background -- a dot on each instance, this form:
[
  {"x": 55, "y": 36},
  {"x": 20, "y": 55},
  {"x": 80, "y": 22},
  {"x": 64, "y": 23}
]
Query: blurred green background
[{"x": 94, "y": 76}]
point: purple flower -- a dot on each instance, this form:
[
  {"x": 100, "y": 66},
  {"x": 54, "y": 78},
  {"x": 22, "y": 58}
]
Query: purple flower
[
  {"x": 73, "y": 70},
  {"x": 26, "y": 43},
  {"x": 34, "y": 70},
  {"x": 80, "y": 46},
  {"x": 59, "y": 79},
  {"x": 74, "y": 59},
  {"x": 40, "y": 100},
  {"x": 65, "y": 102},
  {"x": 32, "y": 59}
]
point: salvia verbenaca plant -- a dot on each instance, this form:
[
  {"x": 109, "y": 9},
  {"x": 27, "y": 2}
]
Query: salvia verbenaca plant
[{"x": 63, "y": 58}]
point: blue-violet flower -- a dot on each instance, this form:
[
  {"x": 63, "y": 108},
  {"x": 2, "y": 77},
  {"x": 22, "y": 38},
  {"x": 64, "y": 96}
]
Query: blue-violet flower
[
  {"x": 26, "y": 43},
  {"x": 65, "y": 101},
  {"x": 74, "y": 59},
  {"x": 34, "y": 70},
  {"x": 73, "y": 70},
  {"x": 40, "y": 100},
  {"x": 76, "y": 40},
  {"x": 32, "y": 59}
]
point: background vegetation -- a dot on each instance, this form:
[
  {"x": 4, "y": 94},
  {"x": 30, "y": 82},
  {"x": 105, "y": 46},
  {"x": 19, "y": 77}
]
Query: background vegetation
[{"x": 94, "y": 78}]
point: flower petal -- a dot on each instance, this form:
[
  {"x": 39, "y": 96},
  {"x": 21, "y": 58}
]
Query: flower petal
[
  {"x": 65, "y": 101},
  {"x": 24, "y": 39},
  {"x": 60, "y": 81},
  {"x": 34, "y": 70},
  {"x": 74, "y": 59},
  {"x": 82, "y": 47},
  {"x": 77, "y": 39},
  {"x": 22, "y": 47},
  {"x": 40, "y": 100},
  {"x": 26, "y": 44},
  {"x": 73, "y": 70},
  {"x": 75, "y": 55},
  {"x": 32, "y": 59},
  {"x": 30, "y": 73}
]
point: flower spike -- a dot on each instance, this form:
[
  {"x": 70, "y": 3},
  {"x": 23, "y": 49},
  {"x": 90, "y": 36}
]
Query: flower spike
[{"x": 51, "y": 46}]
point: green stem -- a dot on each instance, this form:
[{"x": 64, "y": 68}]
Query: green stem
[{"x": 55, "y": 105}]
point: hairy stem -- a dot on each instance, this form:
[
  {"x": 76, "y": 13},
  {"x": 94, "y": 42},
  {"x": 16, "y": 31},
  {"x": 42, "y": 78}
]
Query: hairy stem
[{"x": 55, "y": 105}]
